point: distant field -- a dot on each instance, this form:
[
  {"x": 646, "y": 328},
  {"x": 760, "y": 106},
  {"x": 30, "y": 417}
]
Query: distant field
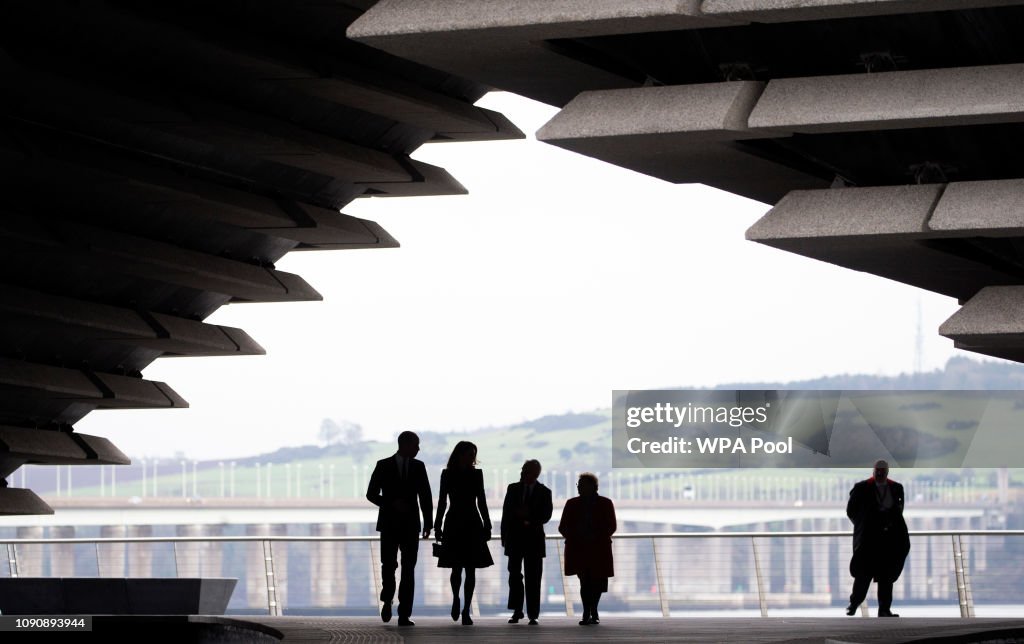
[{"x": 336, "y": 473}]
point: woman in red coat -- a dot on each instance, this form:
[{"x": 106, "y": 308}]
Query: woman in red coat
[{"x": 588, "y": 522}]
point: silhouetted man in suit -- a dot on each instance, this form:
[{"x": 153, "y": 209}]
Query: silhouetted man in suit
[
  {"x": 398, "y": 484},
  {"x": 880, "y": 538},
  {"x": 527, "y": 508}
]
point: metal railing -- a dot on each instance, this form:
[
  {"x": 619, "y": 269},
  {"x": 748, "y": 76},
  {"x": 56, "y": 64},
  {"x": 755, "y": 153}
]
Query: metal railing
[
  {"x": 190, "y": 479},
  {"x": 662, "y": 573}
]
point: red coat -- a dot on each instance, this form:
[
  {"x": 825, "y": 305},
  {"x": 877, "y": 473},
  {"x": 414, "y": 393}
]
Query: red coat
[{"x": 588, "y": 544}]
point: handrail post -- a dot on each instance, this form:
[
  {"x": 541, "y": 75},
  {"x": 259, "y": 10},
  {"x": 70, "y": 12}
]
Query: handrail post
[
  {"x": 662, "y": 597},
  {"x": 378, "y": 583},
  {"x": 958, "y": 571},
  {"x": 12, "y": 559},
  {"x": 968, "y": 593},
  {"x": 761, "y": 599},
  {"x": 963, "y": 584},
  {"x": 273, "y": 607},
  {"x": 569, "y": 612}
]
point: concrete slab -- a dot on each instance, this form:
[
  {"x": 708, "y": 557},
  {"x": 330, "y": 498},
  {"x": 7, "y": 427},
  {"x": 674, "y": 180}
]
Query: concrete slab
[
  {"x": 102, "y": 390},
  {"x": 47, "y": 314},
  {"x": 287, "y": 88},
  {"x": 710, "y": 111},
  {"x": 169, "y": 264},
  {"x": 104, "y": 183},
  {"x": 533, "y": 19},
  {"x": 996, "y": 310},
  {"x": 502, "y": 44},
  {"x": 989, "y": 207},
  {"x": 44, "y": 446},
  {"x": 882, "y": 231},
  {"x": 421, "y": 180},
  {"x": 892, "y": 100},
  {"x": 991, "y": 323},
  {"x": 849, "y": 212},
  {"x": 27, "y": 444},
  {"x": 106, "y": 451},
  {"x": 795, "y": 10},
  {"x": 682, "y": 134},
  {"x": 15, "y": 501}
]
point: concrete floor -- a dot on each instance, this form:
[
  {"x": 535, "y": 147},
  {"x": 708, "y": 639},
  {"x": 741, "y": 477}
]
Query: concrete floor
[{"x": 629, "y": 629}]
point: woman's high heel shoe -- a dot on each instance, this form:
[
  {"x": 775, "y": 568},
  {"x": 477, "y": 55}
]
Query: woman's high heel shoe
[
  {"x": 466, "y": 619},
  {"x": 455, "y": 609}
]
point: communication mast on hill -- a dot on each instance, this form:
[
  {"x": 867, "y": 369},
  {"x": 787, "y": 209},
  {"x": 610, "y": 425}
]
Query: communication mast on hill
[{"x": 919, "y": 342}]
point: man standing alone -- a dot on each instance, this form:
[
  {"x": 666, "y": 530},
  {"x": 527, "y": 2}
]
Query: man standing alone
[
  {"x": 398, "y": 484},
  {"x": 527, "y": 508},
  {"x": 880, "y": 538}
]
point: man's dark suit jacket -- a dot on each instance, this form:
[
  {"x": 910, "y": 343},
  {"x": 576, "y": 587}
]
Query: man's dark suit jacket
[
  {"x": 519, "y": 539},
  {"x": 387, "y": 489}
]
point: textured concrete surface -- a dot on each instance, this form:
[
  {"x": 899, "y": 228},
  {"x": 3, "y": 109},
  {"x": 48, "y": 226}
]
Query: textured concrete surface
[
  {"x": 630, "y": 629},
  {"x": 991, "y": 322},
  {"x": 881, "y": 231},
  {"x": 897, "y": 210},
  {"x": 501, "y": 43},
  {"x": 995, "y": 207},
  {"x": 996, "y": 310},
  {"x": 18, "y": 501},
  {"x": 819, "y": 116},
  {"x": 926, "y": 98},
  {"x": 531, "y": 18},
  {"x": 681, "y": 134},
  {"x": 708, "y": 111},
  {"x": 792, "y": 10}
]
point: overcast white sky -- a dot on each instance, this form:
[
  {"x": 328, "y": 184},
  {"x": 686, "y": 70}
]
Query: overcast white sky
[{"x": 557, "y": 279}]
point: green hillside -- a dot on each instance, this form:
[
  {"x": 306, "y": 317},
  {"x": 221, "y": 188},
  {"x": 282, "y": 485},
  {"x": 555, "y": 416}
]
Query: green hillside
[{"x": 563, "y": 443}]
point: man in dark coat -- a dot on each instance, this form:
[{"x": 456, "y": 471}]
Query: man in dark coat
[
  {"x": 398, "y": 484},
  {"x": 527, "y": 508},
  {"x": 880, "y": 538}
]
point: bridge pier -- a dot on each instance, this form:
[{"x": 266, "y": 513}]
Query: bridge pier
[
  {"x": 110, "y": 557},
  {"x": 201, "y": 559},
  {"x": 327, "y": 569},
  {"x": 30, "y": 555},
  {"x": 794, "y": 558},
  {"x": 62, "y": 555},
  {"x": 140, "y": 555},
  {"x": 820, "y": 583}
]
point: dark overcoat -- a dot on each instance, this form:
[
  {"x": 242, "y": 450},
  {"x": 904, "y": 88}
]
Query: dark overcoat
[
  {"x": 522, "y": 524},
  {"x": 881, "y": 541},
  {"x": 588, "y": 525}
]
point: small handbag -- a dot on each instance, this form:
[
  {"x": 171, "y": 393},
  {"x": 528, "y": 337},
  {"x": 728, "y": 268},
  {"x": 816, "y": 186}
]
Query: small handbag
[{"x": 438, "y": 549}]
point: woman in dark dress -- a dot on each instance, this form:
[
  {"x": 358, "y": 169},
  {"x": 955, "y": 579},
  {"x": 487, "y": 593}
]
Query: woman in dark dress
[
  {"x": 588, "y": 522},
  {"x": 466, "y": 528}
]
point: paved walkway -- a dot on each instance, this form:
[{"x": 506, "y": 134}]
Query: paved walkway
[{"x": 559, "y": 630}]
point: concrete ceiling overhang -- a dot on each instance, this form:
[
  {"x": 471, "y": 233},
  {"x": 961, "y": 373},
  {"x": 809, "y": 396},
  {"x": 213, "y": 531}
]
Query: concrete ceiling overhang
[
  {"x": 886, "y": 131},
  {"x": 157, "y": 160}
]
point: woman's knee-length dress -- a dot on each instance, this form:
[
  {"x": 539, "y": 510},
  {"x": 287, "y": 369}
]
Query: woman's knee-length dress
[{"x": 467, "y": 525}]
